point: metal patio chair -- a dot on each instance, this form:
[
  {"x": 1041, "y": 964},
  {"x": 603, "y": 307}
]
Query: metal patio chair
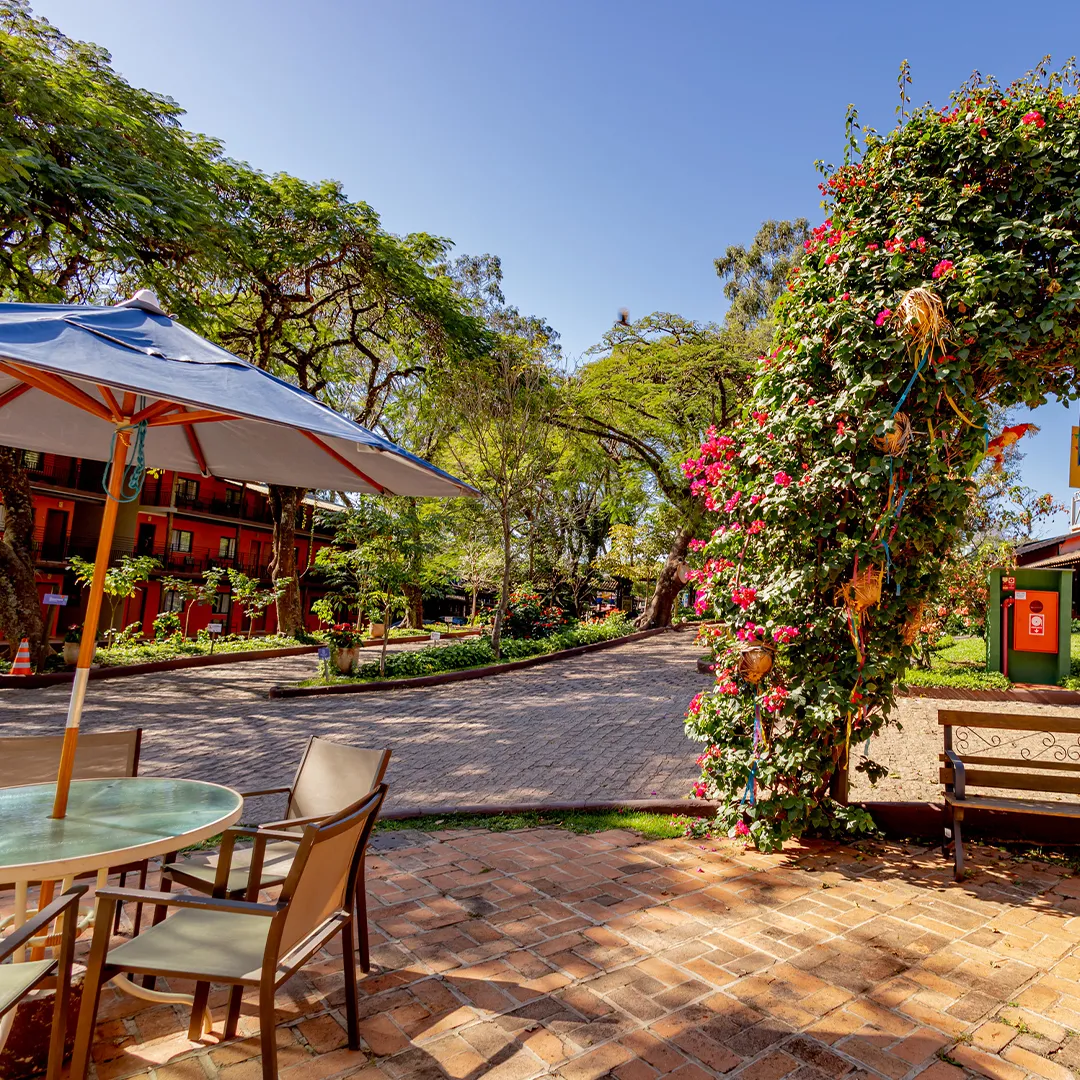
[
  {"x": 331, "y": 776},
  {"x": 241, "y": 942},
  {"x": 18, "y": 980}
]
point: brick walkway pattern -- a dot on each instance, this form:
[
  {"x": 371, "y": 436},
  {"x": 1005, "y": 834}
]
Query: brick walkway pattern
[
  {"x": 606, "y": 725},
  {"x": 538, "y": 953}
]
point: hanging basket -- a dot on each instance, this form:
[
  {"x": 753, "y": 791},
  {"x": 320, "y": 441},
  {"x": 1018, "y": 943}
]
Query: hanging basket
[
  {"x": 755, "y": 661},
  {"x": 895, "y": 441},
  {"x": 864, "y": 589},
  {"x": 922, "y": 314}
]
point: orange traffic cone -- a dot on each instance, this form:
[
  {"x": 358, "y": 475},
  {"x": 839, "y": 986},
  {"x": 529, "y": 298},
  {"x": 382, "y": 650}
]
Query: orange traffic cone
[{"x": 22, "y": 660}]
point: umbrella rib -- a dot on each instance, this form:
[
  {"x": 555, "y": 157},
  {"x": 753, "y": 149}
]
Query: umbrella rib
[
  {"x": 344, "y": 461},
  {"x": 13, "y": 393},
  {"x": 156, "y": 409},
  {"x": 111, "y": 402},
  {"x": 196, "y": 449},
  {"x": 201, "y": 416},
  {"x": 58, "y": 388}
]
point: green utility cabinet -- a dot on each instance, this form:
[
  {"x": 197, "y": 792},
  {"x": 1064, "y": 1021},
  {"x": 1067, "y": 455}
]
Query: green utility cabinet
[{"x": 1029, "y": 625}]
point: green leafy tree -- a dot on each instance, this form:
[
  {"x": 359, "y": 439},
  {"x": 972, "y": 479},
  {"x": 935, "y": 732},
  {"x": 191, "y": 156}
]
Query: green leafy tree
[
  {"x": 942, "y": 287},
  {"x": 653, "y": 389},
  {"x": 755, "y": 278},
  {"x": 121, "y": 581},
  {"x": 195, "y": 593},
  {"x": 251, "y": 598}
]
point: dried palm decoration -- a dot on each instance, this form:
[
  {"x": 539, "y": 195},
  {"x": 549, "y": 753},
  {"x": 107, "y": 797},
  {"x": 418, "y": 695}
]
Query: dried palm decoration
[
  {"x": 922, "y": 314},
  {"x": 755, "y": 661},
  {"x": 913, "y": 623},
  {"x": 895, "y": 441},
  {"x": 864, "y": 589}
]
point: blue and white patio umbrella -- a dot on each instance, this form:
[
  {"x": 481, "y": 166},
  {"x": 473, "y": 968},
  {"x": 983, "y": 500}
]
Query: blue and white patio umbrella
[{"x": 98, "y": 382}]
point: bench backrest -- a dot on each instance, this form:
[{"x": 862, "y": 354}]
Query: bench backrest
[
  {"x": 35, "y": 759},
  {"x": 1013, "y": 751}
]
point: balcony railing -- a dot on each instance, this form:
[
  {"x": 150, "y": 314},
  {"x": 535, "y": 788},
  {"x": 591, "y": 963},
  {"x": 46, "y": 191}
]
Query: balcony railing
[
  {"x": 195, "y": 561},
  {"x": 71, "y": 473},
  {"x": 238, "y": 509}
]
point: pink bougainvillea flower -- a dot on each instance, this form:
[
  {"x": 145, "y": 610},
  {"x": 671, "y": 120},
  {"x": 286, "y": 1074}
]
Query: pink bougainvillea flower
[
  {"x": 743, "y": 596},
  {"x": 756, "y": 498},
  {"x": 841, "y": 427},
  {"x": 941, "y": 269},
  {"x": 784, "y": 634},
  {"x": 831, "y": 258},
  {"x": 872, "y": 247},
  {"x": 882, "y": 316},
  {"x": 755, "y": 527},
  {"x": 782, "y": 479},
  {"x": 1034, "y": 117},
  {"x": 696, "y": 545},
  {"x": 742, "y": 829}
]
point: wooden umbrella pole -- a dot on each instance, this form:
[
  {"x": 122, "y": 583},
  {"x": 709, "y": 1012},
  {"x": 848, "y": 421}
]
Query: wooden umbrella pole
[{"x": 90, "y": 623}]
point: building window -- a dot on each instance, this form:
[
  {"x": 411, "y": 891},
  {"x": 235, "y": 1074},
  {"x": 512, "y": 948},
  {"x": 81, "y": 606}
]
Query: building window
[
  {"x": 222, "y": 604},
  {"x": 181, "y": 540},
  {"x": 187, "y": 491},
  {"x": 33, "y": 459},
  {"x": 227, "y": 547},
  {"x": 232, "y": 499},
  {"x": 172, "y": 601}
]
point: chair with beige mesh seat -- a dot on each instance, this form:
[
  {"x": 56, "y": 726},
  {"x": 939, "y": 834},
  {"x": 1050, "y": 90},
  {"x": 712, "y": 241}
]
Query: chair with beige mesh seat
[
  {"x": 18, "y": 980},
  {"x": 331, "y": 776},
  {"x": 35, "y": 759},
  {"x": 243, "y": 943}
]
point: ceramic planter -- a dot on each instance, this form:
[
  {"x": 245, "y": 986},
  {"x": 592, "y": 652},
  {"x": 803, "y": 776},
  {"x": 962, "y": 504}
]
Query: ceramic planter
[
  {"x": 377, "y": 629},
  {"x": 346, "y": 658},
  {"x": 71, "y": 653}
]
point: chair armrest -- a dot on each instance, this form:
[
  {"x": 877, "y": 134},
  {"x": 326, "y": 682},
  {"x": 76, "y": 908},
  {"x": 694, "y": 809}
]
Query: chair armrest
[
  {"x": 264, "y": 791},
  {"x": 224, "y": 866},
  {"x": 292, "y": 823},
  {"x": 959, "y": 780},
  {"x": 186, "y": 900},
  {"x": 40, "y": 921}
]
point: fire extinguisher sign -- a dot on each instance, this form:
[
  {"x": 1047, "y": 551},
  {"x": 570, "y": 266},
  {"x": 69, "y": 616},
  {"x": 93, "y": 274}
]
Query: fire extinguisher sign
[{"x": 1036, "y": 625}]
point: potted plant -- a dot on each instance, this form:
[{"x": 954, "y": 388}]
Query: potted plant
[
  {"x": 377, "y": 627},
  {"x": 345, "y": 640},
  {"x": 72, "y": 639}
]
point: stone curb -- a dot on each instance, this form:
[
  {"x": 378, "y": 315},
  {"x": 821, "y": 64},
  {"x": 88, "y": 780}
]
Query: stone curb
[
  {"x": 462, "y": 676},
  {"x": 33, "y": 682},
  {"x": 690, "y": 807},
  {"x": 1048, "y": 695}
]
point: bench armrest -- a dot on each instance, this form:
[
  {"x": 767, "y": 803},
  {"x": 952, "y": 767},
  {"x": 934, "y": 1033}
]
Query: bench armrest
[{"x": 958, "y": 773}]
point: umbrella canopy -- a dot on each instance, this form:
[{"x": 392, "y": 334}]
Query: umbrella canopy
[
  {"x": 64, "y": 370},
  {"x": 96, "y": 382}
]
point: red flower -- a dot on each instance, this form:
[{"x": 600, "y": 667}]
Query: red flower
[
  {"x": 882, "y": 316},
  {"x": 782, "y": 478},
  {"x": 830, "y": 259},
  {"x": 941, "y": 269},
  {"x": 1033, "y": 117},
  {"x": 841, "y": 429}
]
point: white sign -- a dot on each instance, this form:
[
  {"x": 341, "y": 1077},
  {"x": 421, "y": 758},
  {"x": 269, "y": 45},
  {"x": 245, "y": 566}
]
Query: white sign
[
  {"x": 214, "y": 628},
  {"x": 55, "y": 599},
  {"x": 435, "y": 635},
  {"x": 1036, "y": 625},
  {"x": 1075, "y": 527}
]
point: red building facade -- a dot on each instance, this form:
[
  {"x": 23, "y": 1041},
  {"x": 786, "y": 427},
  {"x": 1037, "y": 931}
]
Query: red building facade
[{"x": 189, "y": 523}]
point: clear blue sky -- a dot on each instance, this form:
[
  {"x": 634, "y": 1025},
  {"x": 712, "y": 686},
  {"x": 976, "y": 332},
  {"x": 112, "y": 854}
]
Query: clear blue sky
[{"x": 607, "y": 150}]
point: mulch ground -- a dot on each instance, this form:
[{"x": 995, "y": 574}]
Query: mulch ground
[{"x": 515, "y": 955}]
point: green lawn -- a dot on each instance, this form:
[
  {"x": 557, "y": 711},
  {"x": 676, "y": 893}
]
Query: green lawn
[
  {"x": 962, "y": 663},
  {"x": 654, "y": 826}
]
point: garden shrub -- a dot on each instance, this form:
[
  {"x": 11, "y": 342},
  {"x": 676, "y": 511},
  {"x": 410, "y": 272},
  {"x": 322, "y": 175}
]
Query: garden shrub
[
  {"x": 942, "y": 287},
  {"x": 166, "y": 625},
  {"x": 527, "y": 617}
]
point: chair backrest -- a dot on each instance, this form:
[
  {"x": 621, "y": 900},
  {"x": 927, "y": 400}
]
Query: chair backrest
[
  {"x": 34, "y": 759},
  {"x": 323, "y": 875},
  {"x": 332, "y": 776}
]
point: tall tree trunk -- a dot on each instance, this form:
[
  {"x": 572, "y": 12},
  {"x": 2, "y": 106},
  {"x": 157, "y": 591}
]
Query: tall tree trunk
[
  {"x": 385, "y": 639},
  {"x": 20, "y": 608},
  {"x": 504, "y": 590},
  {"x": 668, "y": 586},
  {"x": 472, "y": 614},
  {"x": 414, "y": 609},
  {"x": 283, "y": 504}
]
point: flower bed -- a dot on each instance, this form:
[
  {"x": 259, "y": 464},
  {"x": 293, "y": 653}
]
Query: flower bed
[{"x": 439, "y": 659}]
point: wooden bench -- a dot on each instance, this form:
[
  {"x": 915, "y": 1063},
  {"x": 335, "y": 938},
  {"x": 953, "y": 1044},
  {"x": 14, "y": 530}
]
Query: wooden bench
[{"x": 1010, "y": 752}]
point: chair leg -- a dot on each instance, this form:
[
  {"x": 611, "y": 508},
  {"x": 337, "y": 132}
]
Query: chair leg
[
  {"x": 232, "y": 1020},
  {"x": 119, "y": 907},
  {"x": 198, "y": 1011},
  {"x": 267, "y": 1028},
  {"x": 160, "y": 911},
  {"x": 63, "y": 994},
  {"x": 91, "y": 995},
  {"x": 348, "y": 958},
  {"x": 362, "y": 922},
  {"x": 958, "y": 848},
  {"x": 137, "y": 922}
]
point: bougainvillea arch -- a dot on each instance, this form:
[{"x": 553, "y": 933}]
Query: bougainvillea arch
[{"x": 942, "y": 286}]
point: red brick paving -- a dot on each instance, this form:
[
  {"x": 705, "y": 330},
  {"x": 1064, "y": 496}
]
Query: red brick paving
[{"x": 539, "y": 953}]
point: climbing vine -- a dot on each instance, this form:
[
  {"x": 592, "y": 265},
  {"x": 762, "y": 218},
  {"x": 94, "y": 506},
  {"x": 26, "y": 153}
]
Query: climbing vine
[{"x": 942, "y": 287}]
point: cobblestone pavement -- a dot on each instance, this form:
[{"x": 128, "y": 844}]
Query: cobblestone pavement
[
  {"x": 603, "y": 725},
  {"x": 509, "y": 956}
]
